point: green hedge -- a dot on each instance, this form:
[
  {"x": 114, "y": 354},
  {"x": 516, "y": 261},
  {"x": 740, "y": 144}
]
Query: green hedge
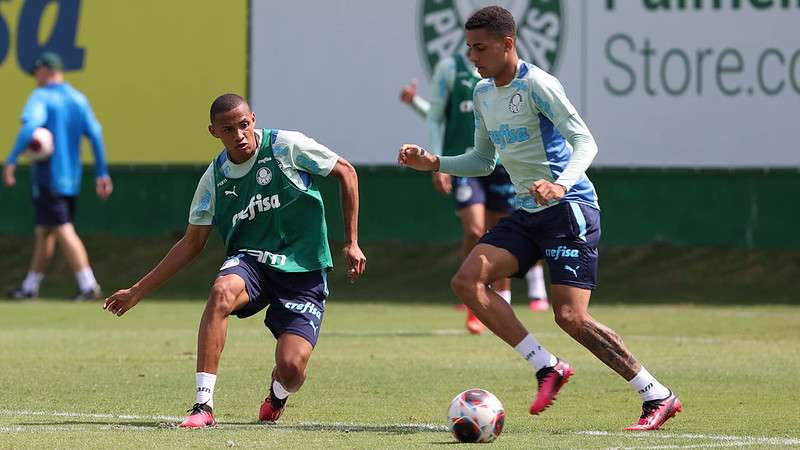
[{"x": 731, "y": 208}]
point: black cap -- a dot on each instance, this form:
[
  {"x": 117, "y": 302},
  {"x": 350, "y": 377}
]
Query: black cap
[{"x": 50, "y": 60}]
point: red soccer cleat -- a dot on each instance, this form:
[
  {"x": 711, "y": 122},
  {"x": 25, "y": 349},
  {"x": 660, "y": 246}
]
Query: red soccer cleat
[
  {"x": 201, "y": 416},
  {"x": 550, "y": 379},
  {"x": 538, "y": 304},
  {"x": 656, "y": 412},
  {"x": 272, "y": 408},
  {"x": 474, "y": 325}
]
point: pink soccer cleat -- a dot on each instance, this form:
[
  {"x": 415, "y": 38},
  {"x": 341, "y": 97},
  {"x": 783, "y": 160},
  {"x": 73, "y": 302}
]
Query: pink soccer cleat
[
  {"x": 272, "y": 408},
  {"x": 656, "y": 412},
  {"x": 538, "y": 304},
  {"x": 474, "y": 325},
  {"x": 550, "y": 379},
  {"x": 201, "y": 416}
]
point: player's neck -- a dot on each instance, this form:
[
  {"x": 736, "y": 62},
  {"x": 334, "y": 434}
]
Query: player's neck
[
  {"x": 508, "y": 73},
  {"x": 240, "y": 156}
]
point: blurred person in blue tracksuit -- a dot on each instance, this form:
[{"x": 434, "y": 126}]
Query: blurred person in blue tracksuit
[{"x": 65, "y": 112}]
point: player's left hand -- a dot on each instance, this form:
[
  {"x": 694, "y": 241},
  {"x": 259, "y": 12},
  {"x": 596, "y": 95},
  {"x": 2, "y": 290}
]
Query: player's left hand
[
  {"x": 356, "y": 261},
  {"x": 544, "y": 191},
  {"x": 121, "y": 301},
  {"x": 104, "y": 187}
]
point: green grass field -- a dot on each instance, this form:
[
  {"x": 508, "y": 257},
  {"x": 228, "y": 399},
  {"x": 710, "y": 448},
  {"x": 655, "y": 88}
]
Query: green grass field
[{"x": 383, "y": 375}]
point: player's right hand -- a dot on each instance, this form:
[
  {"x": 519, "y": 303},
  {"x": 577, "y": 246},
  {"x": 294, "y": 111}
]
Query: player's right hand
[
  {"x": 442, "y": 182},
  {"x": 8, "y": 175},
  {"x": 417, "y": 158},
  {"x": 121, "y": 301},
  {"x": 408, "y": 92}
]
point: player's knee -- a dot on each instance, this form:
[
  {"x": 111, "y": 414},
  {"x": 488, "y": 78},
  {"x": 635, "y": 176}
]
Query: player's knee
[
  {"x": 466, "y": 286},
  {"x": 462, "y": 285},
  {"x": 473, "y": 233},
  {"x": 569, "y": 319},
  {"x": 292, "y": 371},
  {"x": 222, "y": 298}
]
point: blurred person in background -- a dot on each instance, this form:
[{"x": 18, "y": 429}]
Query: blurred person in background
[
  {"x": 480, "y": 201},
  {"x": 56, "y": 181}
]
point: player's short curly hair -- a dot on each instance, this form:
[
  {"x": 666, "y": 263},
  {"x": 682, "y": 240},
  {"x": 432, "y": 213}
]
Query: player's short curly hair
[
  {"x": 225, "y": 103},
  {"x": 495, "y": 19}
]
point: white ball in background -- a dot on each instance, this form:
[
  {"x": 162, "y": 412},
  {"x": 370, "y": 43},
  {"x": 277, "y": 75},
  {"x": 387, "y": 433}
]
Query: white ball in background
[{"x": 40, "y": 146}]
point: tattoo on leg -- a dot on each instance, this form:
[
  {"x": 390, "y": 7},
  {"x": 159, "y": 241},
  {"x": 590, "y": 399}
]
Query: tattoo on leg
[{"x": 606, "y": 344}]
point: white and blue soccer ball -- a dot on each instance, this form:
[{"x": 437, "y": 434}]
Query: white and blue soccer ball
[{"x": 476, "y": 415}]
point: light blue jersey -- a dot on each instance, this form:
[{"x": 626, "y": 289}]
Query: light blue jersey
[
  {"x": 64, "y": 111},
  {"x": 524, "y": 122}
]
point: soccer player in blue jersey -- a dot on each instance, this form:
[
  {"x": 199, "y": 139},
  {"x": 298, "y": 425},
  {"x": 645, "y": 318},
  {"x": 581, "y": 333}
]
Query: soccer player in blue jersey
[
  {"x": 480, "y": 201},
  {"x": 523, "y": 115},
  {"x": 64, "y": 111}
]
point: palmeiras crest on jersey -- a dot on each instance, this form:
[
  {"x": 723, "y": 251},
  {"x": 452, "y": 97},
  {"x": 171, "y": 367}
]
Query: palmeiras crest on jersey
[
  {"x": 515, "y": 104},
  {"x": 540, "y": 29},
  {"x": 263, "y": 176}
]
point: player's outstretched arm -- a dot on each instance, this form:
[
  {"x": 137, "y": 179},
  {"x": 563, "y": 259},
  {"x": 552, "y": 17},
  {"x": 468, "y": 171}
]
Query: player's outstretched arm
[
  {"x": 348, "y": 181},
  {"x": 181, "y": 254},
  {"x": 417, "y": 158}
]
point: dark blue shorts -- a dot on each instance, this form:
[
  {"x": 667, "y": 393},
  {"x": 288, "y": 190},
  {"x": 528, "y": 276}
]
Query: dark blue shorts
[
  {"x": 565, "y": 235},
  {"x": 295, "y": 301},
  {"x": 495, "y": 191},
  {"x": 52, "y": 209}
]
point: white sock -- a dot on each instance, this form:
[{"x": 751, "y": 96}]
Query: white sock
[
  {"x": 32, "y": 281},
  {"x": 506, "y": 294},
  {"x": 278, "y": 389},
  {"x": 535, "y": 354},
  {"x": 648, "y": 387},
  {"x": 205, "y": 388},
  {"x": 86, "y": 281},
  {"x": 535, "y": 279}
]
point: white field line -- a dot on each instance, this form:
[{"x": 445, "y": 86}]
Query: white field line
[
  {"x": 660, "y": 447},
  {"x": 718, "y": 439},
  {"x": 334, "y": 426},
  {"x": 25, "y": 413}
]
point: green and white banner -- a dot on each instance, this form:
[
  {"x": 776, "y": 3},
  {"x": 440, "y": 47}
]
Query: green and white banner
[{"x": 672, "y": 83}]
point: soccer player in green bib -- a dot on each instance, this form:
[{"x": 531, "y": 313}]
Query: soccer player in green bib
[
  {"x": 523, "y": 115},
  {"x": 259, "y": 192}
]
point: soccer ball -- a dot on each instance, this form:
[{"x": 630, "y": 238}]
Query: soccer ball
[
  {"x": 41, "y": 145},
  {"x": 476, "y": 415}
]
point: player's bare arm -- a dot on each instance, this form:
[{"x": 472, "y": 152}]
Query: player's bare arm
[
  {"x": 181, "y": 254},
  {"x": 348, "y": 181},
  {"x": 417, "y": 158}
]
